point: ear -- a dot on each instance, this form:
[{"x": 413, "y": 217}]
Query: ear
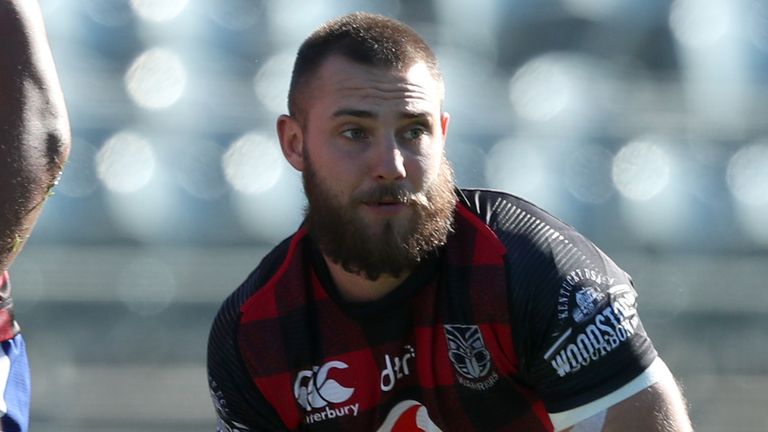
[
  {"x": 444, "y": 120},
  {"x": 291, "y": 141}
]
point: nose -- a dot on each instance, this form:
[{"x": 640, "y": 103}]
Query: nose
[{"x": 388, "y": 161}]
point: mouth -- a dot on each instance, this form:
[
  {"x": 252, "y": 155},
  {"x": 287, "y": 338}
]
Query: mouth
[
  {"x": 390, "y": 202},
  {"x": 387, "y": 201},
  {"x": 387, "y": 206}
]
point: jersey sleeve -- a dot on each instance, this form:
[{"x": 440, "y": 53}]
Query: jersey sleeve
[
  {"x": 573, "y": 310},
  {"x": 592, "y": 342},
  {"x": 14, "y": 385},
  {"x": 15, "y": 389},
  {"x": 239, "y": 405}
]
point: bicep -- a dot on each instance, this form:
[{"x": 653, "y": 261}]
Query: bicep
[{"x": 659, "y": 407}]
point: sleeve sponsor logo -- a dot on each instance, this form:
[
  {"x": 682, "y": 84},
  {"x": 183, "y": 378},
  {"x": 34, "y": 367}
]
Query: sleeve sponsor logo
[
  {"x": 605, "y": 331},
  {"x": 587, "y": 301},
  {"x": 217, "y": 396},
  {"x": 315, "y": 390},
  {"x": 408, "y": 416},
  {"x": 223, "y": 427},
  {"x": 469, "y": 357},
  {"x": 589, "y": 286},
  {"x": 220, "y": 404}
]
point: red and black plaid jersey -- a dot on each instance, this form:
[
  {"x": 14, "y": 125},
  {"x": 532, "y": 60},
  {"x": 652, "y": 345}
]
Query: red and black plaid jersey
[{"x": 516, "y": 316}]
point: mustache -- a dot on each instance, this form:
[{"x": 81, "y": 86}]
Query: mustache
[{"x": 394, "y": 193}]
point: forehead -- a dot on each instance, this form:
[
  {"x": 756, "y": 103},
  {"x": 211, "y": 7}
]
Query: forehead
[{"x": 343, "y": 83}]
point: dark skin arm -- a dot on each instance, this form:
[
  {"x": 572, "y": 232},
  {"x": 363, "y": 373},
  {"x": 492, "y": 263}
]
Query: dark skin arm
[{"x": 34, "y": 129}]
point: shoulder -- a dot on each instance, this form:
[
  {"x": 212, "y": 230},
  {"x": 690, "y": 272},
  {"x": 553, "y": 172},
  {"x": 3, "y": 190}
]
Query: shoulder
[
  {"x": 229, "y": 311},
  {"x": 573, "y": 310},
  {"x": 513, "y": 218},
  {"x": 239, "y": 404},
  {"x": 537, "y": 243}
]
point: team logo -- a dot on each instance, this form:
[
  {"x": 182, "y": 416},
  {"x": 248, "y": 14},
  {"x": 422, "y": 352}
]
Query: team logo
[
  {"x": 467, "y": 350},
  {"x": 587, "y": 301},
  {"x": 408, "y": 416},
  {"x": 313, "y": 388}
]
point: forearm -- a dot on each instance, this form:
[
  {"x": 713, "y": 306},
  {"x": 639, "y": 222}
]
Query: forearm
[{"x": 34, "y": 130}]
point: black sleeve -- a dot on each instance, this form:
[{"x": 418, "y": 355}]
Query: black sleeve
[
  {"x": 240, "y": 407},
  {"x": 573, "y": 310}
]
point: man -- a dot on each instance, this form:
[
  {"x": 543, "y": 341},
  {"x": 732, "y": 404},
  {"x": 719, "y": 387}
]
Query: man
[
  {"x": 404, "y": 304},
  {"x": 34, "y": 143}
]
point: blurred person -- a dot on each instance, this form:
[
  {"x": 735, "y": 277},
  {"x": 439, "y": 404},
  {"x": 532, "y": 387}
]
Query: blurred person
[
  {"x": 403, "y": 303},
  {"x": 34, "y": 143}
]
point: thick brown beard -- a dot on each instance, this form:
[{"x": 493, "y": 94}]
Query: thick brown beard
[{"x": 345, "y": 239}]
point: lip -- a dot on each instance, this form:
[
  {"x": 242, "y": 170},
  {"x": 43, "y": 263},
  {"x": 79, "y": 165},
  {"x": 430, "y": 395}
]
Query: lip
[{"x": 385, "y": 208}]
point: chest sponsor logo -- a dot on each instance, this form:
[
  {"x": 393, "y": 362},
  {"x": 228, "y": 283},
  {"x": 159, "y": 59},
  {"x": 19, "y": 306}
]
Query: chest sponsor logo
[
  {"x": 316, "y": 389},
  {"x": 396, "y": 368},
  {"x": 469, "y": 357},
  {"x": 408, "y": 416},
  {"x": 605, "y": 331}
]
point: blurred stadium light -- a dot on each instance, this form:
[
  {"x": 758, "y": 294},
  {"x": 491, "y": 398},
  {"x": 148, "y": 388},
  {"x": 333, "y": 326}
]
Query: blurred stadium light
[
  {"x": 158, "y": 10},
  {"x": 156, "y": 79}
]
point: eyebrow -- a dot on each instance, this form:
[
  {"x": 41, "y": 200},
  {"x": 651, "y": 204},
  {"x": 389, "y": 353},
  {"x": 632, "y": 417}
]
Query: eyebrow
[{"x": 350, "y": 112}]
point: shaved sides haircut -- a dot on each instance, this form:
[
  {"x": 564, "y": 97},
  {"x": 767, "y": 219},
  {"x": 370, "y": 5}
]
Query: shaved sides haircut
[{"x": 368, "y": 39}]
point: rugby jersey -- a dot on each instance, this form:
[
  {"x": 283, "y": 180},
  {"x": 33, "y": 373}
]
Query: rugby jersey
[{"x": 515, "y": 317}]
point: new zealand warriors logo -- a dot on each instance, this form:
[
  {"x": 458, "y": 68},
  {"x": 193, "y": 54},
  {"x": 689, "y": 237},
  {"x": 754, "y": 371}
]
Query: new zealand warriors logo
[{"x": 467, "y": 351}]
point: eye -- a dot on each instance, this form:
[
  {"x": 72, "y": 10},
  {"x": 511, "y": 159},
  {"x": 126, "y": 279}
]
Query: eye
[
  {"x": 415, "y": 133},
  {"x": 354, "y": 134}
]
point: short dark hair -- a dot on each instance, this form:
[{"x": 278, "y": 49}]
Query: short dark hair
[{"x": 365, "y": 38}]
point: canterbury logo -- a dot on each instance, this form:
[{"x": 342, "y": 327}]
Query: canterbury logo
[{"x": 313, "y": 388}]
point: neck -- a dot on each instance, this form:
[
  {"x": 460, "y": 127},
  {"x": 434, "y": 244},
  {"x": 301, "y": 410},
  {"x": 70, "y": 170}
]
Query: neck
[{"x": 357, "y": 288}]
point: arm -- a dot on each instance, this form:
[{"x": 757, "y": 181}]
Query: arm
[
  {"x": 583, "y": 347},
  {"x": 34, "y": 130},
  {"x": 659, "y": 407},
  {"x": 239, "y": 405}
]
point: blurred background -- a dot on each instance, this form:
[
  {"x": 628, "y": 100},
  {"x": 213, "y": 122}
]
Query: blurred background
[{"x": 642, "y": 123}]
